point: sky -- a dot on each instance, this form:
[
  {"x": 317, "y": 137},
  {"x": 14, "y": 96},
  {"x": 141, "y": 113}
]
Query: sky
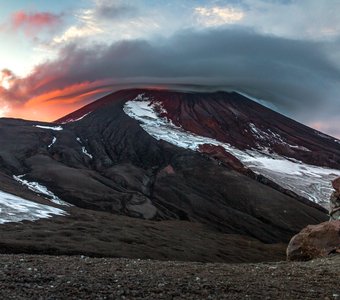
[{"x": 57, "y": 56}]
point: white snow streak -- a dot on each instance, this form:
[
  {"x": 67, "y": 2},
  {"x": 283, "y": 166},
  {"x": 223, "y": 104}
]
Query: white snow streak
[
  {"x": 56, "y": 128},
  {"x": 40, "y": 189},
  {"x": 78, "y": 119},
  {"x": 83, "y": 149},
  {"x": 272, "y": 138},
  {"x": 16, "y": 209},
  {"x": 310, "y": 181},
  {"x": 53, "y": 142}
]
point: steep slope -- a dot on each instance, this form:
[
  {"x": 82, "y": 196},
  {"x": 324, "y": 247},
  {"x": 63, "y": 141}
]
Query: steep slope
[
  {"x": 104, "y": 157},
  {"x": 264, "y": 141}
]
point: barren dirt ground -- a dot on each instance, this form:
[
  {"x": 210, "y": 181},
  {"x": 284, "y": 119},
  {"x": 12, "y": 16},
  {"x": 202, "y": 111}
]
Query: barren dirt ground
[{"x": 79, "y": 277}]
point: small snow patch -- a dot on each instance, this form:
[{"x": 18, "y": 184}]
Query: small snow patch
[
  {"x": 75, "y": 120},
  {"x": 299, "y": 148},
  {"x": 16, "y": 209},
  {"x": 83, "y": 149},
  {"x": 40, "y": 189},
  {"x": 56, "y": 128},
  {"x": 272, "y": 138},
  {"x": 53, "y": 142}
]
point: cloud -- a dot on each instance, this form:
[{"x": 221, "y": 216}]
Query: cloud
[
  {"x": 297, "y": 77},
  {"x": 307, "y": 19},
  {"x": 3, "y": 111},
  {"x": 93, "y": 22},
  {"x": 31, "y": 23},
  {"x": 216, "y": 15},
  {"x": 113, "y": 10},
  {"x": 6, "y": 77},
  {"x": 87, "y": 29}
]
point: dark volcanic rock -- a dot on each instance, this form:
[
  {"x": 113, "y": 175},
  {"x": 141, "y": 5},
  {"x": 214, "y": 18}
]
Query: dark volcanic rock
[
  {"x": 100, "y": 234},
  {"x": 315, "y": 241},
  {"x": 336, "y": 184},
  {"x": 334, "y": 210},
  {"x": 81, "y": 277},
  {"x": 106, "y": 163},
  {"x": 219, "y": 153}
]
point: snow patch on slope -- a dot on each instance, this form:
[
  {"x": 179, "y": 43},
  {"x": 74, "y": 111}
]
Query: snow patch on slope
[
  {"x": 16, "y": 209},
  {"x": 53, "y": 142},
  {"x": 272, "y": 137},
  {"x": 56, "y": 128},
  {"x": 309, "y": 181},
  {"x": 83, "y": 149},
  {"x": 75, "y": 120},
  {"x": 40, "y": 189}
]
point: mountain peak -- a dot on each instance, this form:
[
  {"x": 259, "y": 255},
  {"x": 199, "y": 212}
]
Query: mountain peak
[{"x": 218, "y": 159}]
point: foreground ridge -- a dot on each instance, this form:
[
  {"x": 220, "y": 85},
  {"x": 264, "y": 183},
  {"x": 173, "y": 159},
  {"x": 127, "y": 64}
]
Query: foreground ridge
[{"x": 82, "y": 277}]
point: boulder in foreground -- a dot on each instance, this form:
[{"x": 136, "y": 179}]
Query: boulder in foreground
[
  {"x": 315, "y": 241},
  {"x": 334, "y": 211},
  {"x": 336, "y": 184}
]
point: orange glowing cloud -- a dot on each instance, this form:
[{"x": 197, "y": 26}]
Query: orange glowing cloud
[{"x": 54, "y": 104}]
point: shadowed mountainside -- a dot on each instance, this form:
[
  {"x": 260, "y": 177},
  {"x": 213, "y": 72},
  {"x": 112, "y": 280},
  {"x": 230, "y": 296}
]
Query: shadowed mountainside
[{"x": 101, "y": 160}]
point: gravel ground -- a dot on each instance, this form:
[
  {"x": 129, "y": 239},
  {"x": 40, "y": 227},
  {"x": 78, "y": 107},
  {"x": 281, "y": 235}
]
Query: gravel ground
[{"x": 80, "y": 277}]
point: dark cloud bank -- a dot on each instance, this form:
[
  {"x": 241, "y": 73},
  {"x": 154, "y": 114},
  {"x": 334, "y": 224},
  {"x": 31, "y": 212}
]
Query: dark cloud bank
[{"x": 294, "y": 76}]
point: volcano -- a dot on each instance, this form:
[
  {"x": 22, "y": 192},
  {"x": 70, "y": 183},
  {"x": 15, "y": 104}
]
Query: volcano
[{"x": 166, "y": 175}]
